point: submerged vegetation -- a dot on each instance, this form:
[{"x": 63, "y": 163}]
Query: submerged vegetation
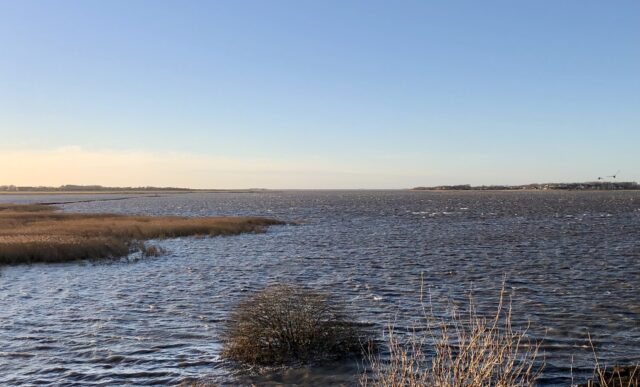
[
  {"x": 39, "y": 233},
  {"x": 288, "y": 324}
]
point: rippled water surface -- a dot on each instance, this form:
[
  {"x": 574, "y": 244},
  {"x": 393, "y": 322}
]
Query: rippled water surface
[{"x": 571, "y": 259}]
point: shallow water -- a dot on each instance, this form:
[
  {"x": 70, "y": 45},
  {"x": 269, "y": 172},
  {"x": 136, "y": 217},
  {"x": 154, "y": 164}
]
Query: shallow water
[{"x": 571, "y": 260}]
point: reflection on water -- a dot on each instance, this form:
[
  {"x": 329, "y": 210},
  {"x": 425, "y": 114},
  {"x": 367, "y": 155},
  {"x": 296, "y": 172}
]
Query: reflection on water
[{"x": 571, "y": 260}]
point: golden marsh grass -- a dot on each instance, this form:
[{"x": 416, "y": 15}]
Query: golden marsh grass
[{"x": 39, "y": 233}]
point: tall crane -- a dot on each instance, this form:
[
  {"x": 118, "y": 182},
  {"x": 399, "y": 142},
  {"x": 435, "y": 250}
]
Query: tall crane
[{"x": 613, "y": 176}]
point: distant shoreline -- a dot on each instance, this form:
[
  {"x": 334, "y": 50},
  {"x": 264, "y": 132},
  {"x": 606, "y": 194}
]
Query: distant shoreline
[
  {"x": 586, "y": 186},
  {"x": 156, "y": 191},
  {"x": 99, "y": 190},
  {"x": 128, "y": 192}
]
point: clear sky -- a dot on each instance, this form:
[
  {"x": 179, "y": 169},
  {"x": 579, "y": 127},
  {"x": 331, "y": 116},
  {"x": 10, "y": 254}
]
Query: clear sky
[{"x": 318, "y": 94}]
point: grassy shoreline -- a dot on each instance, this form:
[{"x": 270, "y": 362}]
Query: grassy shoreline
[{"x": 34, "y": 233}]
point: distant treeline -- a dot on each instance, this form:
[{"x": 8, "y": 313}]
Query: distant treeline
[
  {"x": 83, "y": 188},
  {"x": 596, "y": 185}
]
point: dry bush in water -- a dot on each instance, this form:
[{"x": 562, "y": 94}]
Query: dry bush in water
[
  {"x": 468, "y": 350},
  {"x": 288, "y": 325},
  {"x": 38, "y": 233},
  {"x": 151, "y": 250}
]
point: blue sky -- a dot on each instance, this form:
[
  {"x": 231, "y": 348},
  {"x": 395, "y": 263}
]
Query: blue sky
[{"x": 324, "y": 94}]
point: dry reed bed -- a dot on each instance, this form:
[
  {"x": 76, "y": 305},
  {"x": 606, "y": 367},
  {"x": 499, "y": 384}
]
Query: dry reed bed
[
  {"x": 40, "y": 233},
  {"x": 466, "y": 349}
]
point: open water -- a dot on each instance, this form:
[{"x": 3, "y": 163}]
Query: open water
[{"x": 571, "y": 262}]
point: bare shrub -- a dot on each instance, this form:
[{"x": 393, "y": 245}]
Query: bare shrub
[
  {"x": 288, "y": 324},
  {"x": 468, "y": 350}
]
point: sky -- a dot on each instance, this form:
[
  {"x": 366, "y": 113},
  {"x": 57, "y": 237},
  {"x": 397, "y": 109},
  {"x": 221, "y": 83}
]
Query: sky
[{"x": 318, "y": 94}]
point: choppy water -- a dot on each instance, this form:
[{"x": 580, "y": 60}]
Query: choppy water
[{"x": 571, "y": 260}]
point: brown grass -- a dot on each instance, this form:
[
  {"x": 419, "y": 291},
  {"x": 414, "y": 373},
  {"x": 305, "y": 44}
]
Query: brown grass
[
  {"x": 468, "y": 350},
  {"x": 39, "y": 233},
  {"x": 289, "y": 325}
]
